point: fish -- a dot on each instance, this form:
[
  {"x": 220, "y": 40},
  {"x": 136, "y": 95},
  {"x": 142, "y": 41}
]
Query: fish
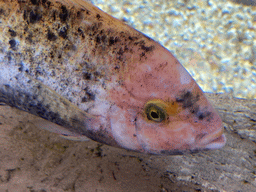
[{"x": 90, "y": 76}]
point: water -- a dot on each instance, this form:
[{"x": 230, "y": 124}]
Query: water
[{"x": 214, "y": 40}]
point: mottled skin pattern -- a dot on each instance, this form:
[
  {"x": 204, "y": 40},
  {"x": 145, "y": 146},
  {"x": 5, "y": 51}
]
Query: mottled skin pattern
[{"x": 74, "y": 65}]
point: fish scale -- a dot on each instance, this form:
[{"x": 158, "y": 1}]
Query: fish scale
[{"x": 91, "y": 75}]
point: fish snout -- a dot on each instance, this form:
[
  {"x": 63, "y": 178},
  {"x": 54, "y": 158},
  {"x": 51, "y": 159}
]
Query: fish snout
[{"x": 215, "y": 140}]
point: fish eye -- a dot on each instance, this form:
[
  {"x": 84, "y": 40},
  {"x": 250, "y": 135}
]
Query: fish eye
[{"x": 155, "y": 112}]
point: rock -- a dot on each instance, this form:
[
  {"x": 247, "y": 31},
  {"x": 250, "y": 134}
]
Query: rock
[{"x": 32, "y": 159}]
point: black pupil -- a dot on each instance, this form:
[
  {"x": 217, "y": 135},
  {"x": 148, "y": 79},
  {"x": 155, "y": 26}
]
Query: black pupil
[{"x": 154, "y": 115}]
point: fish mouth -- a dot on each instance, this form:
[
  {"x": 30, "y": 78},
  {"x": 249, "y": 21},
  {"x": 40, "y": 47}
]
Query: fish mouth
[{"x": 213, "y": 141}]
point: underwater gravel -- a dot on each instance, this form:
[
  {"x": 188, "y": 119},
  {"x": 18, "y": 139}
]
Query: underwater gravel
[{"x": 214, "y": 40}]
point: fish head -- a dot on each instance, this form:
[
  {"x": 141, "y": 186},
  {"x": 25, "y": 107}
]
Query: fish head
[{"x": 159, "y": 109}]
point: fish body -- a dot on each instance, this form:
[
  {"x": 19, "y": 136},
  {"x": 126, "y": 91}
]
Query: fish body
[{"x": 92, "y": 76}]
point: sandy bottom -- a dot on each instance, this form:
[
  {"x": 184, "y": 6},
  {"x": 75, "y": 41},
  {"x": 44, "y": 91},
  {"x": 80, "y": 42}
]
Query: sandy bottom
[
  {"x": 35, "y": 160},
  {"x": 32, "y": 159}
]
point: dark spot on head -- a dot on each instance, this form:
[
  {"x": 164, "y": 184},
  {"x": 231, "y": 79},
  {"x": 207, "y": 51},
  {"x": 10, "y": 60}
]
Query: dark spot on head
[
  {"x": 51, "y": 54},
  {"x": 48, "y": 3},
  {"x": 98, "y": 16},
  {"x": 80, "y": 32},
  {"x": 12, "y": 33},
  {"x": 94, "y": 28},
  {"x": 63, "y": 14},
  {"x": 139, "y": 42},
  {"x": 97, "y": 75},
  {"x": 143, "y": 47},
  {"x": 84, "y": 99},
  {"x": 1, "y": 11},
  {"x": 63, "y": 32},
  {"x": 79, "y": 14},
  {"x": 117, "y": 67},
  {"x": 54, "y": 13},
  {"x": 34, "y": 17},
  {"x": 12, "y": 44},
  {"x": 88, "y": 12},
  {"x": 202, "y": 115},
  {"x": 142, "y": 54},
  {"x": 51, "y": 36},
  {"x": 87, "y": 76},
  {"x": 113, "y": 40},
  {"x": 45, "y": 3},
  {"x": 25, "y": 15},
  {"x": 187, "y": 99},
  {"x": 29, "y": 38},
  {"x": 34, "y": 2},
  {"x": 98, "y": 39},
  {"x": 132, "y": 38},
  {"x": 146, "y": 49},
  {"x": 121, "y": 51},
  {"x": 101, "y": 38}
]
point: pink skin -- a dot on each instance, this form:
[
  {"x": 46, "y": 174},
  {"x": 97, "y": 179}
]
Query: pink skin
[
  {"x": 193, "y": 125},
  {"x": 131, "y": 69}
]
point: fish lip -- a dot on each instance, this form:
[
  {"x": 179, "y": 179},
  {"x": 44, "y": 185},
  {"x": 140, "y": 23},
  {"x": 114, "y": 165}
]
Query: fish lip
[
  {"x": 215, "y": 140},
  {"x": 217, "y": 143}
]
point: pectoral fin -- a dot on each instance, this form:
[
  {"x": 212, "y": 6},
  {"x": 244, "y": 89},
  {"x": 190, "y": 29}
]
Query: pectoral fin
[{"x": 63, "y": 132}]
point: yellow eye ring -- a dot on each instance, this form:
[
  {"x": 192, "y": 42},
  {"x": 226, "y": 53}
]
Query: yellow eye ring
[
  {"x": 155, "y": 113},
  {"x": 158, "y": 110}
]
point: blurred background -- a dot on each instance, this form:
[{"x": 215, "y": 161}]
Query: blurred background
[{"x": 215, "y": 40}]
